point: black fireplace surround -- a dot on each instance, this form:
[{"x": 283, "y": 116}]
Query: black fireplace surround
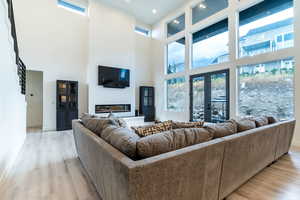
[{"x": 116, "y": 108}]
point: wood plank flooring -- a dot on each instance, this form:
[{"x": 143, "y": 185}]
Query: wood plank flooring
[{"x": 48, "y": 169}]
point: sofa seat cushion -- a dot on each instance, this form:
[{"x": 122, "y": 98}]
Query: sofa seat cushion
[
  {"x": 144, "y": 131},
  {"x": 97, "y": 125},
  {"x": 245, "y": 124},
  {"x": 179, "y": 125},
  {"x": 123, "y": 139},
  {"x": 222, "y": 129},
  {"x": 171, "y": 140}
]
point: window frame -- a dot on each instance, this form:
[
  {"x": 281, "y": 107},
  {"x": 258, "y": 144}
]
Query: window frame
[
  {"x": 167, "y": 36},
  {"x": 232, "y": 13},
  {"x": 142, "y": 31},
  {"x": 192, "y": 67},
  {"x": 167, "y": 96},
  {"x": 167, "y": 56},
  {"x": 249, "y": 5},
  {"x": 292, "y": 59}
]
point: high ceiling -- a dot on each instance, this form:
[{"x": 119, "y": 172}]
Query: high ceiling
[{"x": 143, "y": 9}]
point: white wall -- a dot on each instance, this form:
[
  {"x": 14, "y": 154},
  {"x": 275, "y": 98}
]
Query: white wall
[
  {"x": 53, "y": 40},
  {"x": 113, "y": 42},
  {"x": 65, "y": 45},
  {"x": 34, "y": 99},
  {"x": 158, "y": 57},
  {"x": 143, "y": 63},
  {"x": 12, "y": 103}
]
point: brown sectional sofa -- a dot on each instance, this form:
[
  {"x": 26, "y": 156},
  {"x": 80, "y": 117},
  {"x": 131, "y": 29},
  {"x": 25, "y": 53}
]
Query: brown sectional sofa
[{"x": 206, "y": 171}]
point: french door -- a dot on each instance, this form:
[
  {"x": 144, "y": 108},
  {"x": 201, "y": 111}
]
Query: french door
[{"x": 209, "y": 97}]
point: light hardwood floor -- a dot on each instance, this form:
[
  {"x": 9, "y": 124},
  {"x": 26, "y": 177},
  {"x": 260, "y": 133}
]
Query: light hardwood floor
[{"x": 48, "y": 169}]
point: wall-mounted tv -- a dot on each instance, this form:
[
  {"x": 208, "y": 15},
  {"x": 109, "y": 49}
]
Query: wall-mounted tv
[{"x": 113, "y": 77}]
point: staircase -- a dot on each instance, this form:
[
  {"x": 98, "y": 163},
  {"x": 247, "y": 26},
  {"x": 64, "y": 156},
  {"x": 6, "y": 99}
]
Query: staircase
[{"x": 20, "y": 64}]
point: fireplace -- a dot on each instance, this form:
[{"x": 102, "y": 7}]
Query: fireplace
[{"x": 116, "y": 108}]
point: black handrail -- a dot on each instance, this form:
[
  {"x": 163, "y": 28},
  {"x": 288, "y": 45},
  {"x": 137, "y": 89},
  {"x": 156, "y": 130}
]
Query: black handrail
[
  {"x": 13, "y": 28},
  {"x": 21, "y": 66},
  {"x": 22, "y": 76}
]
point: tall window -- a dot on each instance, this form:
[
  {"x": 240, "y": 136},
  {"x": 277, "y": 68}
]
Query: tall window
[
  {"x": 267, "y": 89},
  {"x": 266, "y": 27},
  {"x": 142, "y": 31},
  {"x": 176, "y": 94},
  {"x": 176, "y": 56},
  {"x": 207, "y": 8},
  {"x": 177, "y": 25},
  {"x": 210, "y": 45}
]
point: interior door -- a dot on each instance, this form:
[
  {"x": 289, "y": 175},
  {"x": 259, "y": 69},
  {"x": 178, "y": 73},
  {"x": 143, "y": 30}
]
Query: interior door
[{"x": 210, "y": 97}]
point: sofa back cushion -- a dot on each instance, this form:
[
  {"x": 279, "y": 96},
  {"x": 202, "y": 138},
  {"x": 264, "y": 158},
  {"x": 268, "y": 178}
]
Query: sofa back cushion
[
  {"x": 171, "y": 140},
  {"x": 272, "y": 120},
  {"x": 245, "y": 124},
  {"x": 222, "y": 129},
  {"x": 123, "y": 139},
  {"x": 97, "y": 125},
  {"x": 179, "y": 125},
  {"x": 261, "y": 121},
  {"x": 87, "y": 116},
  {"x": 144, "y": 131}
]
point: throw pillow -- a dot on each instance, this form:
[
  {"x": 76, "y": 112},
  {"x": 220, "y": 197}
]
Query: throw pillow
[
  {"x": 222, "y": 129},
  {"x": 178, "y": 125},
  {"x": 121, "y": 122},
  {"x": 144, "y": 131},
  {"x": 171, "y": 140}
]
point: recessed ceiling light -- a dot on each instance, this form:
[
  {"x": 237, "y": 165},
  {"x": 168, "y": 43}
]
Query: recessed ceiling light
[
  {"x": 201, "y": 5},
  {"x": 127, "y": 1},
  {"x": 176, "y": 21},
  {"x": 154, "y": 11}
]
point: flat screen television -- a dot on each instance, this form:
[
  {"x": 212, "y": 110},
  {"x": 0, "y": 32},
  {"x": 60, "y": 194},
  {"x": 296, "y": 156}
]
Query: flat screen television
[{"x": 114, "y": 77}]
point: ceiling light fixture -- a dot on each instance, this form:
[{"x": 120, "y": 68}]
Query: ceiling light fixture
[
  {"x": 176, "y": 21},
  {"x": 201, "y": 5},
  {"x": 154, "y": 11},
  {"x": 127, "y": 1}
]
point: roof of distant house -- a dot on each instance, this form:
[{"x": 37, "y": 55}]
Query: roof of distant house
[{"x": 269, "y": 27}]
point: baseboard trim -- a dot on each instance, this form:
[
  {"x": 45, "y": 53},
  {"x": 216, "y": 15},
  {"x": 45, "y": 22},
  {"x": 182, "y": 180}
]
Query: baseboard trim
[{"x": 10, "y": 165}]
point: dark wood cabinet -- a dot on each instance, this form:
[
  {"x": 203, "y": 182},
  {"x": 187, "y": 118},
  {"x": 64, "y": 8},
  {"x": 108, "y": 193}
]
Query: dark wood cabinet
[
  {"x": 66, "y": 104},
  {"x": 147, "y": 103}
]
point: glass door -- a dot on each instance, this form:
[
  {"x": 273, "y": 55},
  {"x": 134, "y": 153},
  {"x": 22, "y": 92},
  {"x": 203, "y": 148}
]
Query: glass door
[{"x": 210, "y": 97}]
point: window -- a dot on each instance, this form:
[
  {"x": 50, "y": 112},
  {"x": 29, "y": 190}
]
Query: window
[
  {"x": 72, "y": 7},
  {"x": 267, "y": 89},
  {"x": 176, "y": 94},
  {"x": 266, "y": 27},
  {"x": 176, "y": 56},
  {"x": 210, "y": 45},
  {"x": 177, "y": 25},
  {"x": 142, "y": 31},
  {"x": 207, "y": 8}
]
